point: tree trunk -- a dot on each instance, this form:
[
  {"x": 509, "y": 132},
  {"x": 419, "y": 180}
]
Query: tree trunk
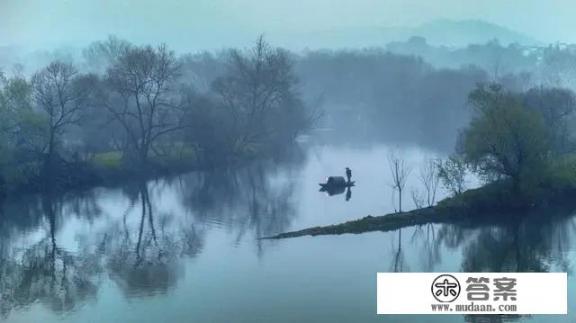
[
  {"x": 399, "y": 200},
  {"x": 49, "y": 162}
]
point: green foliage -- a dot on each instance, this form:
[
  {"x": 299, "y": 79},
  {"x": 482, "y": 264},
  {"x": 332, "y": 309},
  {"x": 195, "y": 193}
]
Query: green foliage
[
  {"x": 505, "y": 139},
  {"x": 176, "y": 157},
  {"x": 22, "y": 174},
  {"x": 109, "y": 160},
  {"x": 561, "y": 173},
  {"x": 490, "y": 197},
  {"x": 16, "y": 95},
  {"x": 22, "y": 133},
  {"x": 452, "y": 173},
  {"x": 32, "y": 132},
  {"x": 556, "y": 106},
  {"x": 140, "y": 112}
]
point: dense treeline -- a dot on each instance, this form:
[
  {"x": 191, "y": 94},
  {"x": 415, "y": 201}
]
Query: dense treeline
[
  {"x": 376, "y": 95},
  {"x": 404, "y": 92},
  {"x": 125, "y": 108},
  {"x": 552, "y": 64},
  {"x": 139, "y": 109},
  {"x": 373, "y": 94},
  {"x": 418, "y": 93}
]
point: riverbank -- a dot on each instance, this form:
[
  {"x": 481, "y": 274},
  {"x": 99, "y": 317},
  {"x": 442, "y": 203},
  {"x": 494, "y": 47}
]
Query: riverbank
[
  {"x": 81, "y": 175},
  {"x": 110, "y": 170},
  {"x": 490, "y": 204}
]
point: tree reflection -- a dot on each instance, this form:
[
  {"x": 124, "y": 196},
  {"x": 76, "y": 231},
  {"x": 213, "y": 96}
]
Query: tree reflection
[
  {"x": 430, "y": 249},
  {"x": 533, "y": 243},
  {"x": 519, "y": 243},
  {"x": 43, "y": 272},
  {"x": 398, "y": 259},
  {"x": 257, "y": 199},
  {"x": 70, "y": 240},
  {"x": 142, "y": 255},
  {"x": 83, "y": 205},
  {"x": 139, "y": 249}
]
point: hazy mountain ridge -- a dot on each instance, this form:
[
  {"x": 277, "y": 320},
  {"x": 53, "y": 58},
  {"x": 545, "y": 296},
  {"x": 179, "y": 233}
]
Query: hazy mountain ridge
[
  {"x": 453, "y": 33},
  {"x": 443, "y": 32},
  {"x": 464, "y": 32}
]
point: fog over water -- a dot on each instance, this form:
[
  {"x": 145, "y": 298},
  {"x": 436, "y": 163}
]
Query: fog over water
[
  {"x": 257, "y": 103},
  {"x": 108, "y": 255}
]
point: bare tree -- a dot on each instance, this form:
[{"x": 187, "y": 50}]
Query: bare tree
[
  {"x": 60, "y": 96},
  {"x": 259, "y": 90},
  {"x": 398, "y": 259},
  {"x": 418, "y": 199},
  {"x": 141, "y": 97},
  {"x": 430, "y": 179},
  {"x": 400, "y": 172},
  {"x": 101, "y": 54}
]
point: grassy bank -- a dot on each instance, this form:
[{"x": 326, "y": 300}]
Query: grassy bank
[
  {"x": 112, "y": 169},
  {"x": 103, "y": 169}
]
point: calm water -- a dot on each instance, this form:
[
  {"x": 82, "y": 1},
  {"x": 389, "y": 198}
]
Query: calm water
[{"x": 185, "y": 249}]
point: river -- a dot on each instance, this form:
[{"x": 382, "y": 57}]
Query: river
[{"x": 185, "y": 248}]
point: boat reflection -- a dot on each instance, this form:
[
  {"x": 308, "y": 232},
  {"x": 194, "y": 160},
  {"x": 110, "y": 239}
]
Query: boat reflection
[{"x": 336, "y": 185}]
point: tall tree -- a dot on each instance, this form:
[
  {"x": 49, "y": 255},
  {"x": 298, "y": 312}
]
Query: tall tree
[
  {"x": 430, "y": 179},
  {"x": 452, "y": 173},
  {"x": 59, "y": 95},
  {"x": 505, "y": 139},
  {"x": 140, "y": 96},
  {"x": 400, "y": 171},
  {"x": 557, "y": 107},
  {"x": 15, "y": 100},
  {"x": 259, "y": 89},
  {"x": 101, "y": 54}
]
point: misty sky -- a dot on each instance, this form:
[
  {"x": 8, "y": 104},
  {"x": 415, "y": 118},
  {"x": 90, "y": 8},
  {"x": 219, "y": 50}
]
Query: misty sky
[{"x": 212, "y": 24}]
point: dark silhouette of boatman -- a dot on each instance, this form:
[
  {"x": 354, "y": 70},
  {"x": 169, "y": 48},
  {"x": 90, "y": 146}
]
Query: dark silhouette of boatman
[{"x": 348, "y": 174}]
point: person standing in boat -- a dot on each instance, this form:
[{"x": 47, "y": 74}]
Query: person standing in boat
[{"x": 348, "y": 174}]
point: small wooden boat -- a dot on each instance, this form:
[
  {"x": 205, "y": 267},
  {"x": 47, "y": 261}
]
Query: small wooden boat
[
  {"x": 336, "y": 182},
  {"x": 336, "y": 185}
]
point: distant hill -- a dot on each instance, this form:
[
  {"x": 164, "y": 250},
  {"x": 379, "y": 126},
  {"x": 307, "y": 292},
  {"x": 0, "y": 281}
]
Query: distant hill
[
  {"x": 446, "y": 32},
  {"x": 463, "y": 32}
]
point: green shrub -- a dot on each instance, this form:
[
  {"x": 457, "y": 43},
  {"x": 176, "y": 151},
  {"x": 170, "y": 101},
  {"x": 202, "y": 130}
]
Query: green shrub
[
  {"x": 111, "y": 160},
  {"x": 562, "y": 173}
]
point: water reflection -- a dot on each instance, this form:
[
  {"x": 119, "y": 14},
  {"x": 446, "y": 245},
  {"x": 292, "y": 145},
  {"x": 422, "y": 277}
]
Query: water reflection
[
  {"x": 142, "y": 253},
  {"x": 337, "y": 190},
  {"x": 398, "y": 259},
  {"x": 258, "y": 199},
  {"x": 532, "y": 243},
  {"x": 538, "y": 242},
  {"x": 138, "y": 242},
  {"x": 429, "y": 248},
  {"x": 43, "y": 271},
  {"x": 62, "y": 250}
]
